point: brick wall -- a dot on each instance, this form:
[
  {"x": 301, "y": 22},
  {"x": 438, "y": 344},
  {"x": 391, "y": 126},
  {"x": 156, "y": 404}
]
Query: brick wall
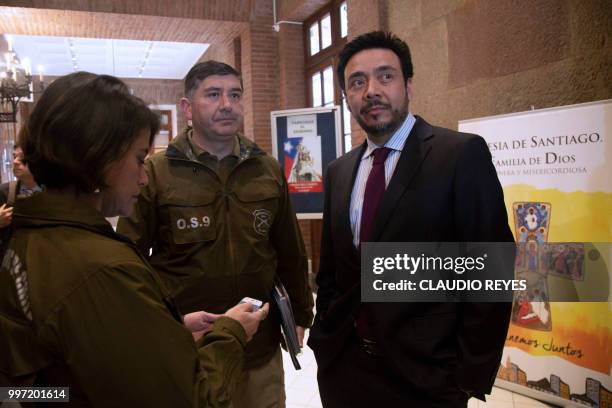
[
  {"x": 223, "y": 52},
  {"x": 159, "y": 92},
  {"x": 259, "y": 56},
  {"x": 291, "y": 87}
]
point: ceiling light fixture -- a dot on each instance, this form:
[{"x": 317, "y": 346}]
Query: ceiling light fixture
[
  {"x": 146, "y": 59},
  {"x": 73, "y": 54},
  {"x": 16, "y": 83}
]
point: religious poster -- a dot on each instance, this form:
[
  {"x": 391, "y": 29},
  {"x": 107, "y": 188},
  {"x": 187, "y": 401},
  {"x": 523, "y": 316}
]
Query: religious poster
[
  {"x": 556, "y": 169},
  {"x": 303, "y": 166},
  {"x": 305, "y": 141}
]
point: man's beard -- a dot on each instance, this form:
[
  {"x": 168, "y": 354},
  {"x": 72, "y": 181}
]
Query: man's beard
[{"x": 381, "y": 129}]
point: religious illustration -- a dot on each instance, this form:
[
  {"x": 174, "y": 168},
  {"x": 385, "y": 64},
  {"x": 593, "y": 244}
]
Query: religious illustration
[
  {"x": 531, "y": 307},
  {"x": 302, "y": 159},
  {"x": 303, "y": 168},
  {"x": 531, "y": 221},
  {"x": 564, "y": 260},
  {"x": 535, "y": 260}
]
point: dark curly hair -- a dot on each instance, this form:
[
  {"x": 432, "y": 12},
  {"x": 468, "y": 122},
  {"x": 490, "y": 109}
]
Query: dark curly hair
[
  {"x": 375, "y": 39},
  {"x": 81, "y": 124}
]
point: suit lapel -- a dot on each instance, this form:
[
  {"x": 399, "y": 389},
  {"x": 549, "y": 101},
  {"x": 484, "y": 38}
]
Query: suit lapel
[{"x": 413, "y": 154}]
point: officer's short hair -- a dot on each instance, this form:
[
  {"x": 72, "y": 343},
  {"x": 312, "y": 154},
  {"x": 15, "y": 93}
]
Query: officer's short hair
[
  {"x": 82, "y": 124},
  {"x": 202, "y": 70},
  {"x": 375, "y": 39}
]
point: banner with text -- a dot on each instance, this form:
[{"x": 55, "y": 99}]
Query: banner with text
[{"x": 556, "y": 169}]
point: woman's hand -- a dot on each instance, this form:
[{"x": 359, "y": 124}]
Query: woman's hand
[
  {"x": 199, "y": 323},
  {"x": 248, "y": 319}
]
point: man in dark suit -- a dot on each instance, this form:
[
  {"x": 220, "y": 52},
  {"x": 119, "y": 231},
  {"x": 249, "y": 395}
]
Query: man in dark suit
[{"x": 436, "y": 185}]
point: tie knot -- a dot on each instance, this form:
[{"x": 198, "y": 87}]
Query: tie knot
[{"x": 380, "y": 154}]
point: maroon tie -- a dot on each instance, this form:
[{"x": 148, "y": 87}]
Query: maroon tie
[{"x": 375, "y": 188}]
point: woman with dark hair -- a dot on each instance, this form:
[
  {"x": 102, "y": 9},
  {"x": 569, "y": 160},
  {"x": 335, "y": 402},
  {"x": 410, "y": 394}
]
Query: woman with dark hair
[{"x": 79, "y": 306}]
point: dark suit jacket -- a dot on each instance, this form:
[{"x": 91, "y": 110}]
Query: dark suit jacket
[{"x": 444, "y": 189}]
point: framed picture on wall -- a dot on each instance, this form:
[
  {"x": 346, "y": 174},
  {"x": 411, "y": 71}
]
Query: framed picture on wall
[
  {"x": 167, "y": 128},
  {"x": 305, "y": 141}
]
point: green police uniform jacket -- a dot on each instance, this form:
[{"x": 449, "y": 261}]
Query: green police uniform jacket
[
  {"x": 81, "y": 308},
  {"x": 217, "y": 233}
]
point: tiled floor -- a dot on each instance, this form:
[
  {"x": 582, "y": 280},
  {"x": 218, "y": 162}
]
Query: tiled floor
[
  {"x": 301, "y": 386},
  {"x": 302, "y": 391}
]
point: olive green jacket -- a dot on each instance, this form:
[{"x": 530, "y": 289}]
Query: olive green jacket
[
  {"x": 80, "y": 308},
  {"x": 215, "y": 238}
]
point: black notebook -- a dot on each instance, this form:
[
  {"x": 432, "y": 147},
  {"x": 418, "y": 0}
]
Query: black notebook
[{"x": 287, "y": 321}]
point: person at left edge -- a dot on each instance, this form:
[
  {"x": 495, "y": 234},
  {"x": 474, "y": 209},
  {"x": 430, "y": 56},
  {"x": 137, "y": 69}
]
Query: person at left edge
[
  {"x": 79, "y": 305},
  {"x": 25, "y": 186},
  {"x": 218, "y": 224}
]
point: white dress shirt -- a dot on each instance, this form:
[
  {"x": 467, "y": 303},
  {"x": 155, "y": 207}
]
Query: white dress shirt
[{"x": 396, "y": 144}]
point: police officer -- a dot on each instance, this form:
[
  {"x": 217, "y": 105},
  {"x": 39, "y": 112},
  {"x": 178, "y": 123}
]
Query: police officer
[{"x": 218, "y": 223}]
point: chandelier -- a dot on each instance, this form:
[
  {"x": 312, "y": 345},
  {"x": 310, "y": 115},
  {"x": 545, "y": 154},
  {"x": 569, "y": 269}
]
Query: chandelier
[{"x": 15, "y": 84}]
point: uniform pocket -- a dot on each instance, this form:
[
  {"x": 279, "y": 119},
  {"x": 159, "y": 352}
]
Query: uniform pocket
[
  {"x": 257, "y": 191},
  {"x": 258, "y": 202},
  {"x": 192, "y": 224}
]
